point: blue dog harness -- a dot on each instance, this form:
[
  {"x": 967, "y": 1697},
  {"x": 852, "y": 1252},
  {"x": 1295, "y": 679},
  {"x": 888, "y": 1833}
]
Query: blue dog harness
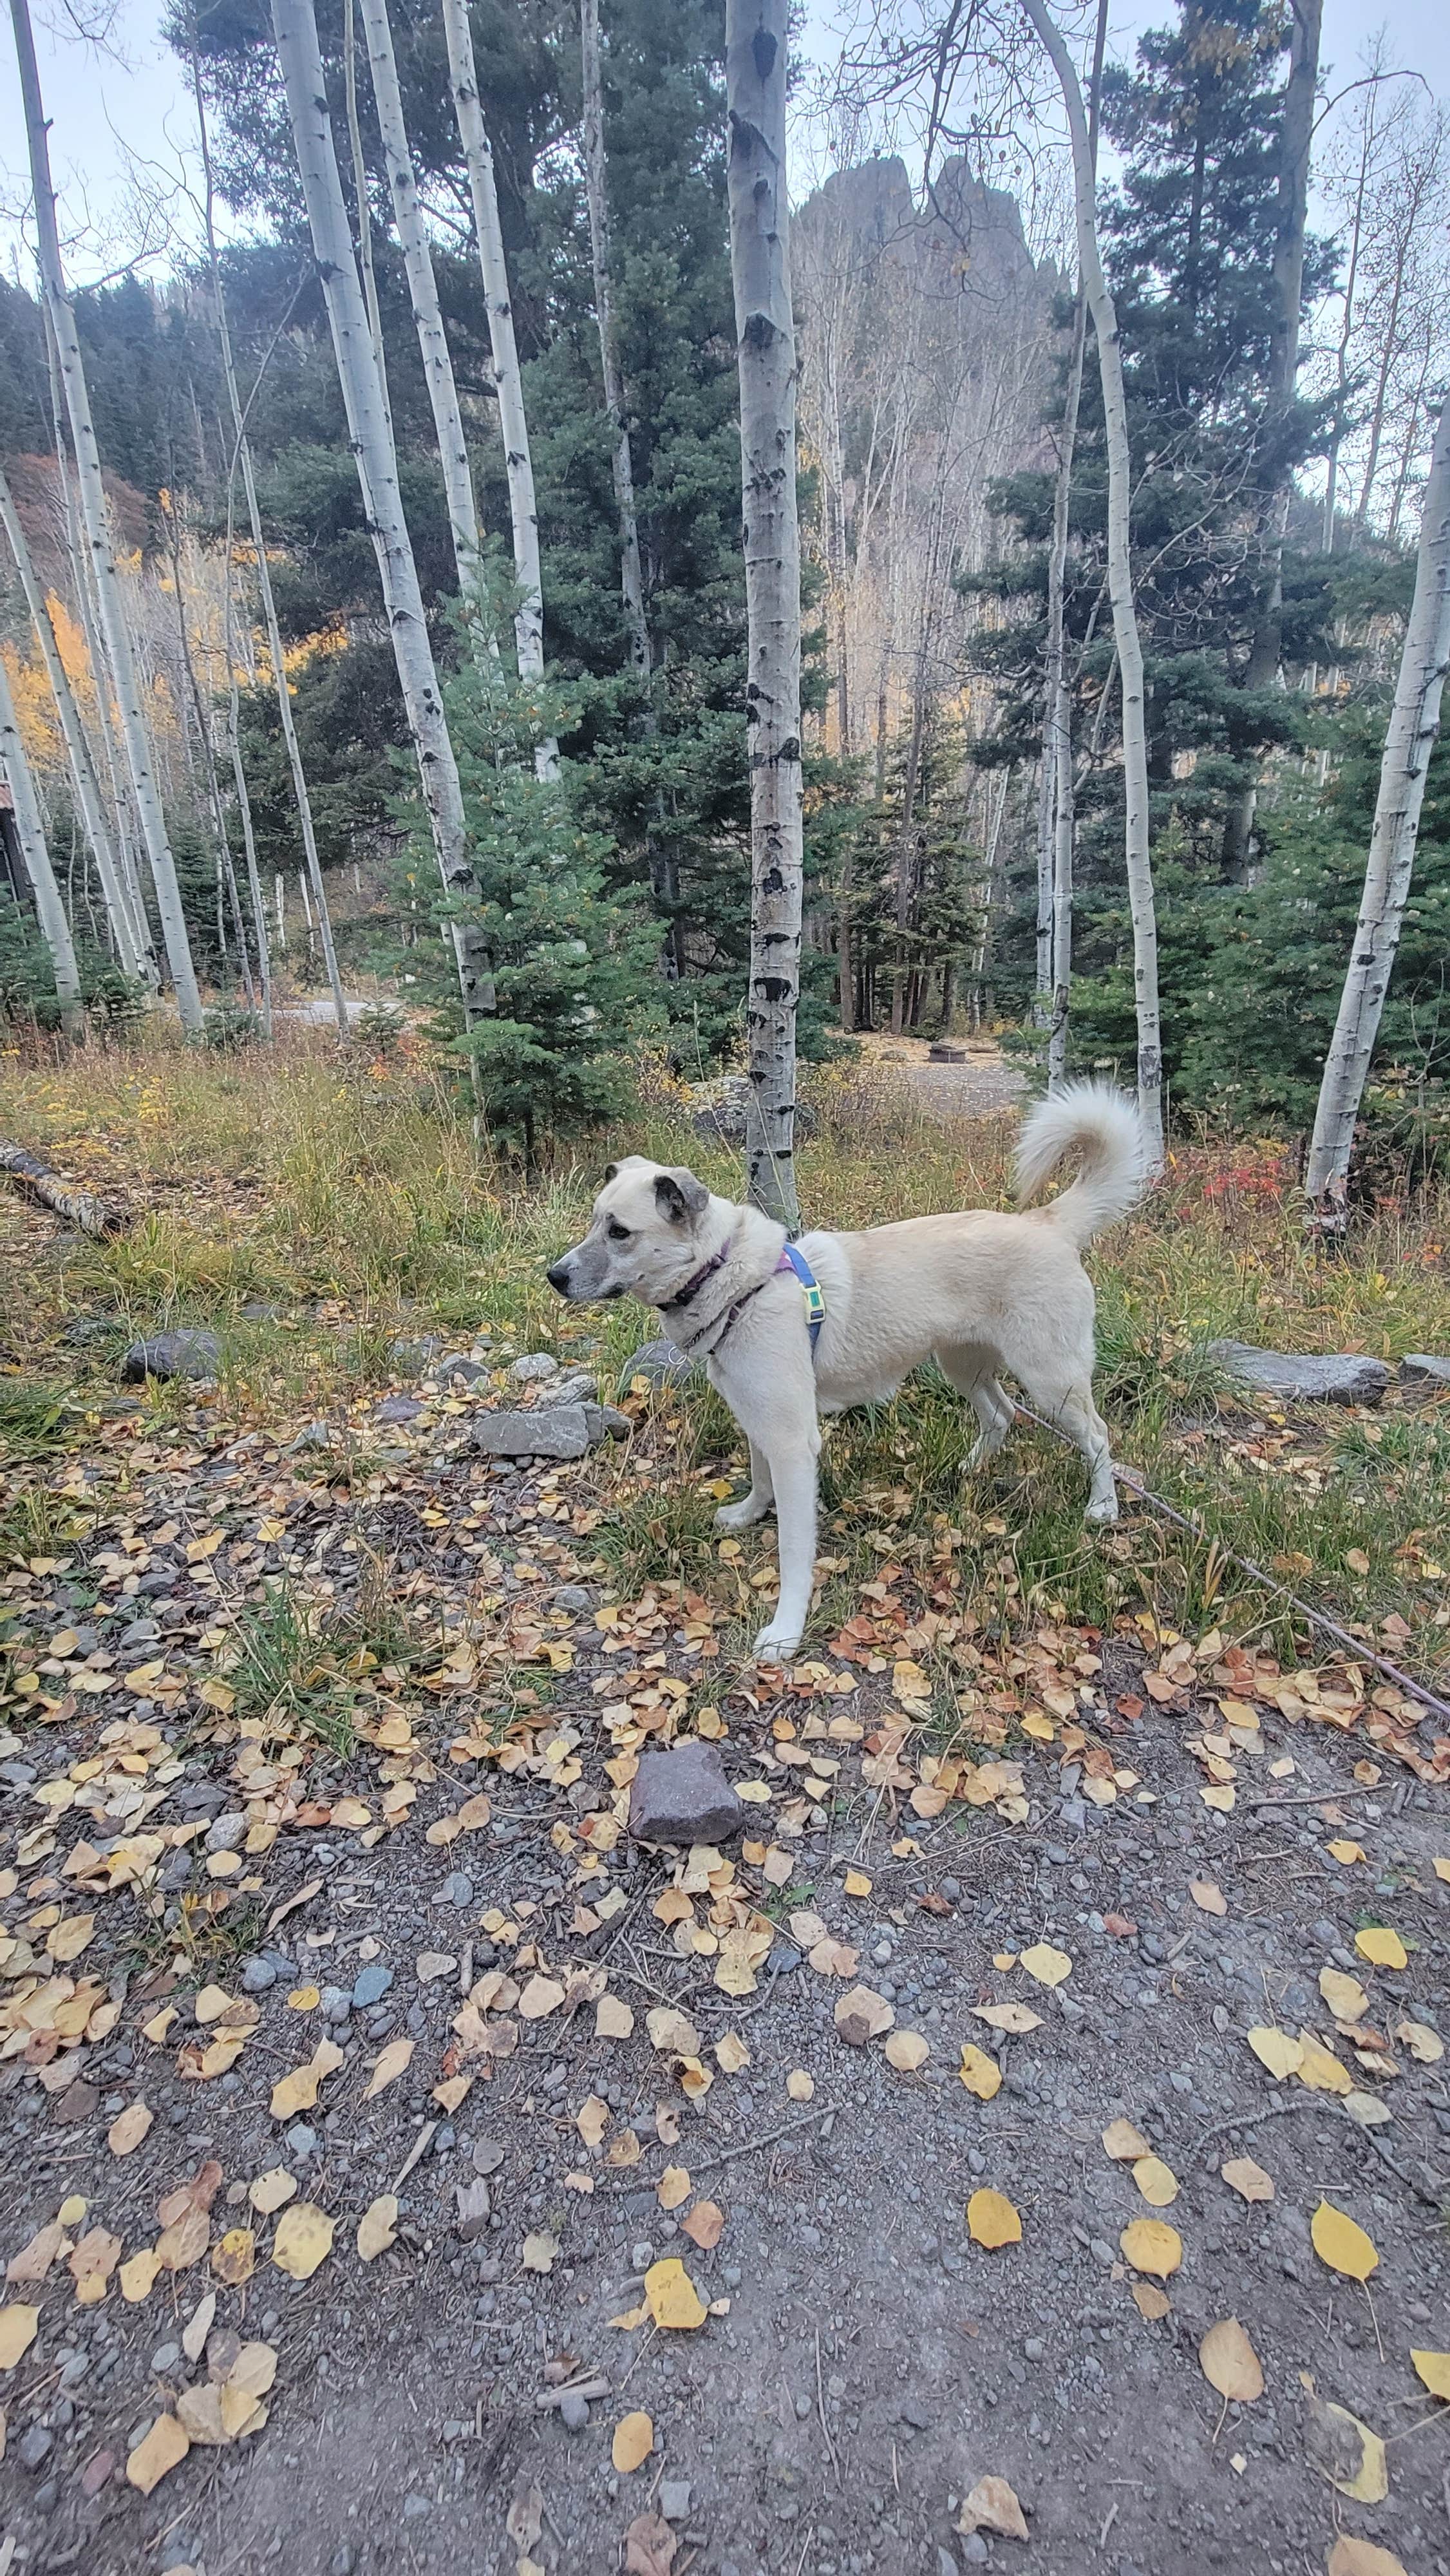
[{"x": 794, "y": 1259}]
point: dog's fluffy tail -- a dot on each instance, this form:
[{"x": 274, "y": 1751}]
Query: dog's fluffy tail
[{"x": 1106, "y": 1127}]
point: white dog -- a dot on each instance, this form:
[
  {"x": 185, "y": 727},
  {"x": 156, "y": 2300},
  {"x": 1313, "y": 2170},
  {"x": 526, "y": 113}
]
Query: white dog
[{"x": 981, "y": 1292}]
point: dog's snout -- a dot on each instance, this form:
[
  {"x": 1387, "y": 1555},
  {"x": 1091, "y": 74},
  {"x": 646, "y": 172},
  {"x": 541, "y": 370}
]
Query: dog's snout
[{"x": 558, "y": 1276}]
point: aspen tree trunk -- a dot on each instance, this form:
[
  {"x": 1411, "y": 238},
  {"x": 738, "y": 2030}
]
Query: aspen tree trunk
[
  {"x": 244, "y": 807},
  {"x": 1057, "y": 732},
  {"x": 427, "y": 315},
  {"x": 1413, "y": 727},
  {"x": 364, "y": 211},
  {"x": 242, "y": 459},
  {"x": 30, "y": 832},
  {"x": 84, "y": 782},
  {"x": 755, "y": 84},
  {"x": 135, "y": 901},
  {"x": 631, "y": 577},
  {"x": 93, "y": 507},
  {"x": 372, "y": 445},
  {"x": 1120, "y": 592},
  {"x": 1293, "y": 202},
  {"x": 508, "y": 383}
]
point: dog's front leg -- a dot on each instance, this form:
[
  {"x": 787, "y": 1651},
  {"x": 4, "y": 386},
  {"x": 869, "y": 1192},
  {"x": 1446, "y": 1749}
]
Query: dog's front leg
[
  {"x": 753, "y": 1506},
  {"x": 794, "y": 1478}
]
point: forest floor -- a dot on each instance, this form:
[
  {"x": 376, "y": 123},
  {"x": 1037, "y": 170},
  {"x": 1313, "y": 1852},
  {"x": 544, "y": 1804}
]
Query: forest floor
[{"x": 1037, "y": 2123}]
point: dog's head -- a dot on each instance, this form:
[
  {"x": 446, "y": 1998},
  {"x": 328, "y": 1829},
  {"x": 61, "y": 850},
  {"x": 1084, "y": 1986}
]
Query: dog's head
[{"x": 644, "y": 1239}]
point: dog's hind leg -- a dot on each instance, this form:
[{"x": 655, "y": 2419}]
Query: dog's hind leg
[
  {"x": 1072, "y": 1409},
  {"x": 971, "y": 1372},
  {"x": 753, "y": 1506}
]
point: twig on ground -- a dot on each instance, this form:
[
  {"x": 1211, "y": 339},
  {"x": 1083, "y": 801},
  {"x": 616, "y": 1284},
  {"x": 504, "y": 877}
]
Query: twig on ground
[
  {"x": 418, "y": 2148},
  {"x": 821, "y": 2410}
]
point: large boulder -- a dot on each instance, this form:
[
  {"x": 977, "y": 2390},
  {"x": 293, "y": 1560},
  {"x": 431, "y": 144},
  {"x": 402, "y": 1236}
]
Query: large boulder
[
  {"x": 189, "y": 1353},
  {"x": 547, "y": 1431},
  {"x": 1421, "y": 1369},
  {"x": 1338, "y": 1377},
  {"x": 682, "y": 1796}
]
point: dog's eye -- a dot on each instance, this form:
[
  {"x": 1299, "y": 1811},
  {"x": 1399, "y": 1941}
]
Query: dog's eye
[{"x": 618, "y": 1233}]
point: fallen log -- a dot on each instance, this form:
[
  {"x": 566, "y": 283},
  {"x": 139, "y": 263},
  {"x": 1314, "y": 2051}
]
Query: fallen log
[{"x": 79, "y": 1207}]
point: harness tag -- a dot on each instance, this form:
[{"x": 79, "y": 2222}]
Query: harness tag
[{"x": 811, "y": 1291}]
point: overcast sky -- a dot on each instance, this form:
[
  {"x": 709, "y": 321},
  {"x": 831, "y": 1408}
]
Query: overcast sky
[{"x": 135, "y": 97}]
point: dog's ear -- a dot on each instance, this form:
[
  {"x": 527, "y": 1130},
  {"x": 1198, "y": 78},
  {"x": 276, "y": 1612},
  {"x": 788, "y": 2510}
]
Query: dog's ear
[
  {"x": 610, "y": 1171},
  {"x": 679, "y": 1196}
]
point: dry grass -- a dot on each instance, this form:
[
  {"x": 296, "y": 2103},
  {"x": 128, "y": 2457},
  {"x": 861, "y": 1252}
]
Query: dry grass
[{"x": 349, "y": 1195}]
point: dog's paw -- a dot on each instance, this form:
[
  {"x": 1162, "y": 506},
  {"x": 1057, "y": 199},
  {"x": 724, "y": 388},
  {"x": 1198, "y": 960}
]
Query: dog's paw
[
  {"x": 1100, "y": 1515},
  {"x": 741, "y": 1515},
  {"x": 776, "y": 1645}
]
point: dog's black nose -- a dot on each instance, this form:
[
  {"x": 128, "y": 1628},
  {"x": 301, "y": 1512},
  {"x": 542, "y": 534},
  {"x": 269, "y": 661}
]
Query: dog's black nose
[{"x": 558, "y": 1277}]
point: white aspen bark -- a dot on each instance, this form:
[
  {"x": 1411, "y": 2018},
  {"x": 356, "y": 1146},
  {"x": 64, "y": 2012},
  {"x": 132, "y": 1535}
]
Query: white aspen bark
[
  {"x": 100, "y": 681},
  {"x": 631, "y": 577},
  {"x": 1042, "y": 928},
  {"x": 84, "y": 782},
  {"x": 508, "y": 383},
  {"x": 242, "y": 459},
  {"x": 364, "y": 211},
  {"x": 1058, "y": 725},
  {"x": 427, "y": 315},
  {"x": 30, "y": 832},
  {"x": 280, "y": 888},
  {"x": 244, "y": 808},
  {"x": 1120, "y": 592},
  {"x": 755, "y": 89},
  {"x": 372, "y": 445},
  {"x": 98, "y": 540},
  {"x": 1409, "y": 740}
]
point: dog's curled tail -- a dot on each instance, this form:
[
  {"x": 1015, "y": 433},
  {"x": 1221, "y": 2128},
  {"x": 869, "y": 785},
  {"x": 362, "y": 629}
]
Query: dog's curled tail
[{"x": 1106, "y": 1128}]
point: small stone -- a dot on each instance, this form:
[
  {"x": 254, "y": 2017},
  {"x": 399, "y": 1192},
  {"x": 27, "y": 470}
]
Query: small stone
[
  {"x": 642, "y": 2255},
  {"x": 457, "y": 1888},
  {"x": 178, "y": 2550},
  {"x": 662, "y": 1362},
  {"x": 558, "y": 1432},
  {"x": 227, "y": 1834},
  {"x": 1422, "y": 1368},
  {"x": 532, "y": 1366},
  {"x": 975, "y": 2550},
  {"x": 397, "y": 1408},
  {"x": 165, "y": 2357},
  {"x": 414, "y": 1351},
  {"x": 475, "y": 2206},
  {"x": 946, "y": 2565},
  {"x": 302, "y": 2140},
  {"x": 416, "y": 2508},
  {"x": 371, "y": 1984},
  {"x": 683, "y": 1796},
  {"x": 98, "y": 2472},
  {"x": 190, "y": 1353},
  {"x": 336, "y": 2003},
  {"x": 461, "y": 1364},
  {"x": 34, "y": 2447},
  {"x": 574, "y": 2412},
  {"x": 674, "y": 2499},
  {"x": 570, "y": 1596},
  {"x": 257, "y": 1976},
  {"x": 342, "y": 2562},
  {"x": 581, "y": 1386}
]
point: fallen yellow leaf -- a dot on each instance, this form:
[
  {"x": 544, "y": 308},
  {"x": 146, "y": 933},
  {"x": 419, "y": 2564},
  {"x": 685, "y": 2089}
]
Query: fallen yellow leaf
[
  {"x": 1050, "y": 1967},
  {"x": 1248, "y": 2179},
  {"x": 671, "y": 2296},
  {"x": 992, "y": 2221},
  {"x": 634, "y": 2439},
  {"x": 303, "y": 2240},
  {"x": 1382, "y": 1947},
  {"x": 673, "y": 2187},
  {"x": 1434, "y": 2369},
  {"x": 1014, "y": 2017},
  {"x": 1276, "y": 2050},
  {"x": 1351, "y": 2557},
  {"x": 1344, "y": 1994},
  {"x": 799, "y": 2085},
  {"x": 128, "y": 2128},
  {"x": 234, "y": 2257},
  {"x": 1124, "y": 2143},
  {"x": 137, "y": 2276},
  {"x": 1151, "y": 2303},
  {"x": 906, "y": 2050},
  {"x": 993, "y": 2506},
  {"x": 1156, "y": 2181},
  {"x": 856, "y": 1883},
  {"x": 1421, "y": 2041},
  {"x": 377, "y": 2227},
  {"x": 1151, "y": 2245},
  {"x": 271, "y": 2190},
  {"x": 1341, "y": 2243},
  {"x": 393, "y": 2062},
  {"x": 980, "y": 2073},
  {"x": 1209, "y": 1898},
  {"x": 156, "y": 2453},
  {"x": 18, "y": 2323},
  {"x": 1345, "y": 1851},
  {"x": 1230, "y": 2364},
  {"x": 1351, "y": 2455}
]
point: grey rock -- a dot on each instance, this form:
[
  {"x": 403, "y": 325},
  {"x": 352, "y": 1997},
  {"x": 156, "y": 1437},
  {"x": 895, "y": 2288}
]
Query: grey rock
[
  {"x": 313, "y": 1435},
  {"x": 165, "y": 2357},
  {"x": 258, "y": 1310},
  {"x": 1422, "y": 1368},
  {"x": 257, "y": 1976},
  {"x": 371, "y": 1984},
  {"x": 574, "y": 2412},
  {"x": 558, "y": 1431},
  {"x": 336, "y": 2003},
  {"x": 414, "y": 1351},
  {"x": 302, "y": 2140},
  {"x": 674, "y": 2499},
  {"x": 975, "y": 2550},
  {"x": 487, "y": 2156},
  {"x": 397, "y": 1408},
  {"x": 189, "y": 1353},
  {"x": 457, "y": 1888},
  {"x": 87, "y": 1328},
  {"x": 531, "y": 1366},
  {"x": 416, "y": 2508},
  {"x": 579, "y": 1387},
  {"x": 227, "y": 1833},
  {"x": 461, "y": 1364},
  {"x": 946, "y": 2565},
  {"x": 683, "y": 1796},
  {"x": 1340, "y": 1377},
  {"x": 662, "y": 1362},
  {"x": 605, "y": 1422},
  {"x": 35, "y": 2447},
  {"x": 570, "y": 1596},
  {"x": 475, "y": 2208},
  {"x": 342, "y": 2562}
]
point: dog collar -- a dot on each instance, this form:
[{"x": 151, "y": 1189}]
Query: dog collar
[{"x": 692, "y": 1287}]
